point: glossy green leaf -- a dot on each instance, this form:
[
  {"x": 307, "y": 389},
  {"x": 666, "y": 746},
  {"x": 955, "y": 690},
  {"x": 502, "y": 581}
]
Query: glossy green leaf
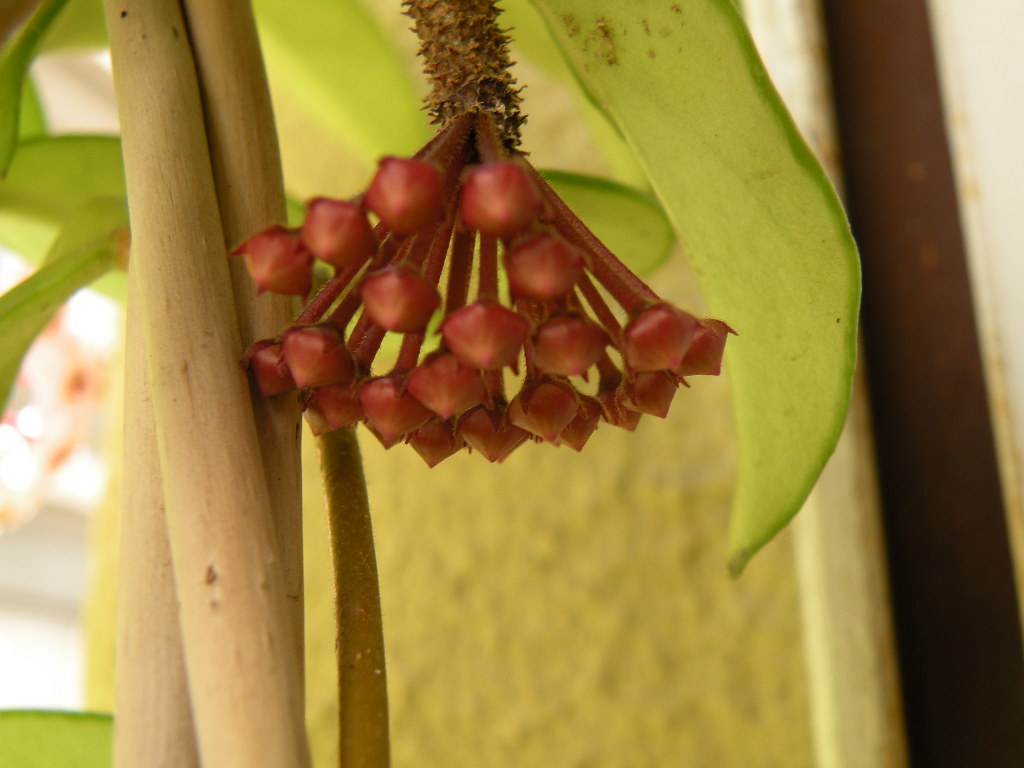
[
  {"x": 32, "y": 119},
  {"x": 90, "y": 245},
  {"x": 43, "y": 739},
  {"x": 15, "y": 58},
  {"x": 50, "y": 178},
  {"x": 755, "y": 213},
  {"x": 81, "y": 27},
  {"x": 333, "y": 62},
  {"x": 630, "y": 222}
]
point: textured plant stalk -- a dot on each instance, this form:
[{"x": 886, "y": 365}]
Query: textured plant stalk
[
  {"x": 243, "y": 672},
  {"x": 250, "y": 192},
  {"x": 151, "y": 704},
  {"x": 362, "y": 680},
  {"x": 467, "y": 60}
]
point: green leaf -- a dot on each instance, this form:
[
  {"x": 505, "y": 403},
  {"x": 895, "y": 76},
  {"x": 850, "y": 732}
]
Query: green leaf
[
  {"x": 15, "y": 58},
  {"x": 32, "y": 119},
  {"x": 50, "y": 178},
  {"x": 90, "y": 245},
  {"x": 630, "y": 222},
  {"x": 756, "y": 215},
  {"x": 36, "y": 739},
  {"x": 333, "y": 62},
  {"x": 81, "y": 27}
]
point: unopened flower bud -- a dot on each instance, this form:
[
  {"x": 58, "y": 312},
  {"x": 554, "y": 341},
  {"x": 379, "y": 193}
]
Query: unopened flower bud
[
  {"x": 490, "y": 433},
  {"x": 333, "y": 407},
  {"x": 268, "y": 367},
  {"x": 317, "y": 356},
  {"x": 390, "y": 410},
  {"x": 277, "y": 262},
  {"x": 651, "y": 392},
  {"x": 435, "y": 441},
  {"x": 568, "y": 345},
  {"x": 543, "y": 268},
  {"x": 485, "y": 335},
  {"x": 405, "y": 194},
  {"x": 446, "y": 386},
  {"x": 578, "y": 431},
  {"x": 399, "y": 298},
  {"x": 337, "y": 232},
  {"x": 658, "y": 338},
  {"x": 499, "y": 199},
  {"x": 544, "y": 408},
  {"x": 704, "y": 357}
]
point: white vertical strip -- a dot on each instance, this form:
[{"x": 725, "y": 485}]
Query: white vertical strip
[{"x": 981, "y": 66}]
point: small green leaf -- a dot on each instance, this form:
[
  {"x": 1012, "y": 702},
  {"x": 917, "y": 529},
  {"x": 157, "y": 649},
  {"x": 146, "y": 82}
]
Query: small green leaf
[
  {"x": 15, "y": 58},
  {"x": 81, "y": 27},
  {"x": 332, "y": 61},
  {"x": 32, "y": 119},
  {"x": 44, "y": 739},
  {"x": 50, "y": 178},
  {"x": 630, "y": 222},
  {"x": 755, "y": 213},
  {"x": 90, "y": 244}
]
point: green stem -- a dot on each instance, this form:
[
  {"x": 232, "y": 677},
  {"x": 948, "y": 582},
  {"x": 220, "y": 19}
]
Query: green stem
[{"x": 362, "y": 681}]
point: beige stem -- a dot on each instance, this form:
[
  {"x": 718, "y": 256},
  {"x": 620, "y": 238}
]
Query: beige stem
[
  {"x": 239, "y": 647},
  {"x": 362, "y": 682},
  {"x": 250, "y": 191},
  {"x": 151, "y": 705}
]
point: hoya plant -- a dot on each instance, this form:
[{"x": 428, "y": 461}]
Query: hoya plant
[{"x": 456, "y": 296}]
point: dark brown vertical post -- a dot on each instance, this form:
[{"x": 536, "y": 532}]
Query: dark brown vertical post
[{"x": 953, "y": 592}]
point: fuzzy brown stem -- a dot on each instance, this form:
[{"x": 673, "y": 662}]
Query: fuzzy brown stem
[
  {"x": 467, "y": 59},
  {"x": 362, "y": 681},
  {"x": 243, "y": 673},
  {"x": 250, "y": 193},
  {"x": 151, "y": 704}
]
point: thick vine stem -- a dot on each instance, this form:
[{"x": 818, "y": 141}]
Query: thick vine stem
[
  {"x": 362, "y": 681},
  {"x": 153, "y": 714},
  {"x": 250, "y": 192},
  {"x": 466, "y": 56},
  {"x": 243, "y": 672}
]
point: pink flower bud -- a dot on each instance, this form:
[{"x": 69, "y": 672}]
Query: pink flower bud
[
  {"x": 578, "y": 431},
  {"x": 446, "y": 386},
  {"x": 399, "y": 298},
  {"x": 277, "y": 262},
  {"x": 390, "y": 410},
  {"x": 435, "y": 441},
  {"x": 704, "y": 357},
  {"x": 268, "y": 367},
  {"x": 485, "y": 335},
  {"x": 568, "y": 345},
  {"x": 544, "y": 408},
  {"x": 657, "y": 338},
  {"x": 332, "y": 408},
  {"x": 499, "y": 199},
  {"x": 651, "y": 392},
  {"x": 614, "y": 410},
  {"x": 543, "y": 268},
  {"x": 406, "y": 194},
  {"x": 490, "y": 433},
  {"x": 317, "y": 356},
  {"x": 337, "y": 232}
]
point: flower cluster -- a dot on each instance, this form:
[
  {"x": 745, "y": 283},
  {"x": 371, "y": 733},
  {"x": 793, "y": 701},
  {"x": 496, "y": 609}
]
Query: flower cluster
[{"x": 570, "y": 308}]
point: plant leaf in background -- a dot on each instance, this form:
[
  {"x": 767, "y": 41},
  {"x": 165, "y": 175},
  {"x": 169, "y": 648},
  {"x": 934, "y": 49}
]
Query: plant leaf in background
[
  {"x": 50, "y": 178},
  {"x": 31, "y": 119},
  {"x": 33, "y": 739},
  {"x": 334, "y": 63},
  {"x": 753, "y": 210},
  {"x": 92, "y": 242},
  {"x": 630, "y": 222},
  {"x": 15, "y": 58},
  {"x": 80, "y": 27}
]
